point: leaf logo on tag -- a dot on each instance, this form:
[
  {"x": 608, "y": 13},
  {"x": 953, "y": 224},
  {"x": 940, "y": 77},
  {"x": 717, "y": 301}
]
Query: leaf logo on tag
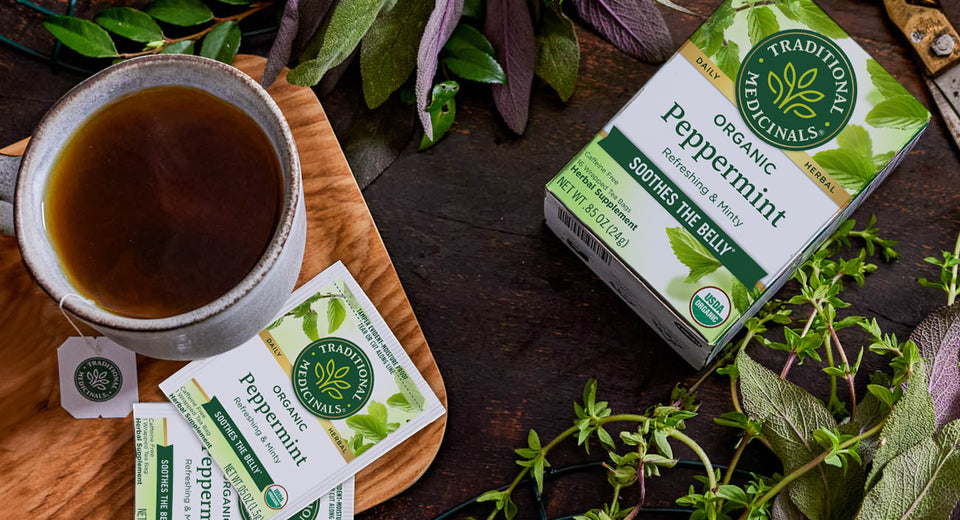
[
  {"x": 98, "y": 379},
  {"x": 332, "y": 378}
]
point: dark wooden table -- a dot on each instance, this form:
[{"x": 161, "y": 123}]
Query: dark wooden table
[{"x": 516, "y": 322}]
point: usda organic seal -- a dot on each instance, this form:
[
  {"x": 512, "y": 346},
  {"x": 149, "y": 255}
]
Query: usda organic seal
[
  {"x": 332, "y": 378},
  {"x": 710, "y": 307},
  {"x": 311, "y": 512},
  {"x": 796, "y": 89},
  {"x": 98, "y": 379}
]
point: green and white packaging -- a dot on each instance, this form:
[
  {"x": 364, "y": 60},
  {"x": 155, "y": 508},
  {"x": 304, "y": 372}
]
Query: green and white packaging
[
  {"x": 700, "y": 198},
  {"x": 176, "y": 478},
  {"x": 317, "y": 396}
]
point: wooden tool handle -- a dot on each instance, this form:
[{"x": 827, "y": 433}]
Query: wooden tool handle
[{"x": 928, "y": 30}]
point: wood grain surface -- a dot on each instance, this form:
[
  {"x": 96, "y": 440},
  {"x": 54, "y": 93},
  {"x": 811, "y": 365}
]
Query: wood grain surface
[
  {"x": 53, "y": 466},
  {"x": 516, "y": 321}
]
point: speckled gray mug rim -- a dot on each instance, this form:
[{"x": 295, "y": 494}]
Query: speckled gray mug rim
[{"x": 185, "y": 64}]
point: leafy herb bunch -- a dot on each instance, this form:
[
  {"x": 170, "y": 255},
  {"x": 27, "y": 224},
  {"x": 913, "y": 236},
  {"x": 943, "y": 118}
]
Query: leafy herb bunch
[
  {"x": 420, "y": 48},
  {"x": 219, "y": 36},
  {"x": 893, "y": 453}
]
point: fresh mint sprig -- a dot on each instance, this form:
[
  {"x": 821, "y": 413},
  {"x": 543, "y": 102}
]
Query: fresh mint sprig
[{"x": 837, "y": 461}]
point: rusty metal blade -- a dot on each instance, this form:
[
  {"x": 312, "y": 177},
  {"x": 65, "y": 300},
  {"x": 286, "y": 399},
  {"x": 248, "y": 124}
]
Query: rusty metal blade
[{"x": 945, "y": 90}]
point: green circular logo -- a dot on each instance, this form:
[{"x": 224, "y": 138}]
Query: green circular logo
[
  {"x": 98, "y": 379},
  {"x": 333, "y": 378},
  {"x": 275, "y": 496},
  {"x": 796, "y": 89},
  {"x": 710, "y": 307}
]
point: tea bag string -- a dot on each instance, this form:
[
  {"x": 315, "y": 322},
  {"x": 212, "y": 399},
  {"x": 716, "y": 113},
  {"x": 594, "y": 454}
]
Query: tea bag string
[{"x": 90, "y": 341}]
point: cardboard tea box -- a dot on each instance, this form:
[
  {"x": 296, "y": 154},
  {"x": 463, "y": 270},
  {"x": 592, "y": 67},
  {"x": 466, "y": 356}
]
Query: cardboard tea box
[{"x": 700, "y": 198}]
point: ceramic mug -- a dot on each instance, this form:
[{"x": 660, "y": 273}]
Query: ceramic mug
[{"x": 218, "y": 325}]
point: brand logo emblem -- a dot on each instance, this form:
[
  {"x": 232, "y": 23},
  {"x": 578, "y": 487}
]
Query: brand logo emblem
[
  {"x": 796, "y": 89},
  {"x": 332, "y": 378},
  {"x": 710, "y": 307},
  {"x": 98, "y": 379}
]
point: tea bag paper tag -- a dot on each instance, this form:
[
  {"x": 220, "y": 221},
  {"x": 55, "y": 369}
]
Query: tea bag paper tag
[{"x": 98, "y": 378}]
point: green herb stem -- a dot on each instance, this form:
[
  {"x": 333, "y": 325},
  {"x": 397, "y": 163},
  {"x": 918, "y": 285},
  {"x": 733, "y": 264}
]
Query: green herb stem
[
  {"x": 736, "y": 457},
  {"x": 846, "y": 364},
  {"x": 833, "y": 379},
  {"x": 627, "y": 417},
  {"x": 733, "y": 395},
  {"x": 692, "y": 444},
  {"x": 196, "y": 36},
  {"x": 802, "y": 470},
  {"x": 952, "y": 289},
  {"x": 755, "y": 4},
  {"x": 788, "y": 364}
]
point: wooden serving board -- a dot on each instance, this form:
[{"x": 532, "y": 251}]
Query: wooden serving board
[{"x": 54, "y": 466}]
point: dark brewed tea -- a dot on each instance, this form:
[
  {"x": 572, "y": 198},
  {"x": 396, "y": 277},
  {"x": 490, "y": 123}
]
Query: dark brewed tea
[{"x": 162, "y": 201}]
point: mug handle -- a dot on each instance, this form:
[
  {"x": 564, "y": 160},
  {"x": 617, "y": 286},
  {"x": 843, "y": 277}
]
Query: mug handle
[{"x": 9, "y": 167}]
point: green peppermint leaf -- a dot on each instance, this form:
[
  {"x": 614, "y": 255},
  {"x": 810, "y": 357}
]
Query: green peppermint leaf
[
  {"x": 310, "y": 325},
  {"x": 911, "y": 421},
  {"x": 369, "y": 426},
  {"x": 761, "y": 22},
  {"x": 131, "y": 24},
  {"x": 475, "y": 65},
  {"x": 900, "y": 112},
  {"x": 692, "y": 254},
  {"x": 709, "y": 37},
  {"x": 335, "y": 314},
  {"x": 359, "y": 451},
  {"x": 850, "y": 168},
  {"x": 887, "y": 85},
  {"x": 920, "y": 482},
  {"x": 276, "y": 323},
  {"x": 464, "y": 36},
  {"x": 222, "y": 43},
  {"x": 388, "y": 53},
  {"x": 809, "y": 14},
  {"x": 236, "y": 2},
  {"x": 533, "y": 440},
  {"x": 83, "y": 36},
  {"x": 558, "y": 52},
  {"x": 881, "y": 160},
  {"x": 740, "y": 296},
  {"x": 182, "y": 47},
  {"x": 442, "y": 110},
  {"x": 180, "y": 12},
  {"x": 728, "y": 59},
  {"x": 350, "y": 21},
  {"x": 399, "y": 401},
  {"x": 856, "y": 138},
  {"x": 377, "y": 411}
]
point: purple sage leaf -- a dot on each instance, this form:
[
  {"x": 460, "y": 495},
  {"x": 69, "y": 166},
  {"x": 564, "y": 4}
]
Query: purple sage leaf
[
  {"x": 938, "y": 338},
  {"x": 301, "y": 18},
  {"x": 635, "y": 26},
  {"x": 510, "y": 30},
  {"x": 443, "y": 20}
]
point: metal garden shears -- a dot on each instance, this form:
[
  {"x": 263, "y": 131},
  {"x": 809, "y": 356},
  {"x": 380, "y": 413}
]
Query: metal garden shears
[{"x": 937, "y": 44}]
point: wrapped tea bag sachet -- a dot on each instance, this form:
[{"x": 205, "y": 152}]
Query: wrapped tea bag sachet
[
  {"x": 176, "y": 478},
  {"x": 318, "y": 395},
  {"x": 735, "y": 161}
]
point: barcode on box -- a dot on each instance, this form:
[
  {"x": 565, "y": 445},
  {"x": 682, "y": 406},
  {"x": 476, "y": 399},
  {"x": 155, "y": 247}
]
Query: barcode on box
[{"x": 584, "y": 235}]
